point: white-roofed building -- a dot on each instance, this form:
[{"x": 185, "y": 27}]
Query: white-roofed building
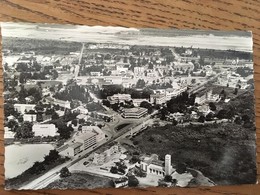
[
  {"x": 24, "y": 107},
  {"x": 29, "y": 117},
  {"x": 134, "y": 112},
  {"x": 44, "y": 130}
]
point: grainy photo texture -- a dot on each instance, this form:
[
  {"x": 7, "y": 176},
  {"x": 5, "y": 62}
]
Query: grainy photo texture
[{"x": 100, "y": 107}]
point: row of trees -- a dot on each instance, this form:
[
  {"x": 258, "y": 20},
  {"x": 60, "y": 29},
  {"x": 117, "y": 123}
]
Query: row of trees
[{"x": 51, "y": 158}]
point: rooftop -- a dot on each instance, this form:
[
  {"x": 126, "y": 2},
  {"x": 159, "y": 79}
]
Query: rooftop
[
  {"x": 76, "y": 145},
  {"x": 134, "y": 110},
  {"x": 86, "y": 135}
]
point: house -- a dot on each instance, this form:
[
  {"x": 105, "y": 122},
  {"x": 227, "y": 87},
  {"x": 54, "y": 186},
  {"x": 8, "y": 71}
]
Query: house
[
  {"x": 8, "y": 134},
  {"x": 30, "y": 117}
]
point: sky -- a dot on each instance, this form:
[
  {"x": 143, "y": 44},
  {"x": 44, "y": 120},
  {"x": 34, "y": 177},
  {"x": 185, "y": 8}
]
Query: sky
[{"x": 235, "y": 40}]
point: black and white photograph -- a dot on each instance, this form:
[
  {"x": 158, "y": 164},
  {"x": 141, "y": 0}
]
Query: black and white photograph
[{"x": 112, "y": 107}]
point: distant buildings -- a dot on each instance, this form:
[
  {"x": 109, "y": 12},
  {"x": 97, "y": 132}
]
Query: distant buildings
[
  {"x": 183, "y": 66},
  {"x": 44, "y": 130},
  {"x": 22, "y": 108},
  {"x": 134, "y": 113},
  {"x": 108, "y": 46}
]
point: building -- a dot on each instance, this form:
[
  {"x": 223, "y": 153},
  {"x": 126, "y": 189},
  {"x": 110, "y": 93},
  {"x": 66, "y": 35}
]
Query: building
[
  {"x": 88, "y": 139},
  {"x": 170, "y": 92},
  {"x": 168, "y": 165},
  {"x": 116, "y": 80},
  {"x": 44, "y": 130},
  {"x": 81, "y": 110},
  {"x": 139, "y": 71},
  {"x": 117, "y": 98},
  {"x": 30, "y": 117},
  {"x": 61, "y": 103},
  {"x": 70, "y": 149},
  {"x": 105, "y": 156},
  {"x": 120, "y": 182},
  {"x": 157, "y": 98},
  {"x": 151, "y": 165},
  {"x": 22, "y": 108},
  {"x": 8, "y": 134},
  {"x": 95, "y": 74},
  {"x": 179, "y": 117},
  {"x": 136, "y": 113},
  {"x": 207, "y": 96},
  {"x": 100, "y": 135},
  {"x": 104, "y": 116}
]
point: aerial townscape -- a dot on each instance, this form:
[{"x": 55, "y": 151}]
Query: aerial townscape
[{"x": 91, "y": 115}]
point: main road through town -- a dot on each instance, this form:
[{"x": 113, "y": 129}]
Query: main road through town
[{"x": 53, "y": 174}]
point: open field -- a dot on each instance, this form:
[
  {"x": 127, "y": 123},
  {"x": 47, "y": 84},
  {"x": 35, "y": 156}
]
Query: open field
[{"x": 81, "y": 181}]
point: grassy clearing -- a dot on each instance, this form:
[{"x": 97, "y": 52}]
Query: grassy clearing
[{"x": 81, "y": 181}]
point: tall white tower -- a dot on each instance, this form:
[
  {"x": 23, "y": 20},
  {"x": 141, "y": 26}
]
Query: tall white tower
[{"x": 168, "y": 164}]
